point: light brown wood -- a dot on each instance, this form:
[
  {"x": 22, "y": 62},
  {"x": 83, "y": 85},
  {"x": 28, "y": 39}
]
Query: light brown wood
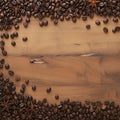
[{"x": 61, "y": 65}]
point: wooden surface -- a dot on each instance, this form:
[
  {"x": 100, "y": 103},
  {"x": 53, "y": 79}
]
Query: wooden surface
[{"x": 62, "y": 61}]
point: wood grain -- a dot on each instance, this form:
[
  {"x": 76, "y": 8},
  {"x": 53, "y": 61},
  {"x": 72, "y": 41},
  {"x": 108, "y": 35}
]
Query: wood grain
[{"x": 60, "y": 64}]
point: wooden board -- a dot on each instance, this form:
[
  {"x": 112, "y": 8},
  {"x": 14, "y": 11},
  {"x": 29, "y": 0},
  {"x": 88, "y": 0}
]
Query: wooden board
[{"x": 62, "y": 52}]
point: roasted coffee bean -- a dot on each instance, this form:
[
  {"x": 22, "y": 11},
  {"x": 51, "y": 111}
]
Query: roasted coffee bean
[
  {"x": 25, "y": 24},
  {"x": 15, "y": 34},
  {"x": 12, "y": 36},
  {"x": 57, "y": 97},
  {"x": 7, "y": 66},
  {"x": 6, "y": 35},
  {"x": 24, "y": 39},
  {"x": 34, "y": 88},
  {"x": 2, "y": 43},
  {"x": 105, "y": 30},
  {"x": 106, "y": 20},
  {"x": 88, "y": 26},
  {"x": 41, "y": 24},
  {"x": 27, "y": 82},
  {"x": 27, "y": 20},
  {"x": 55, "y": 21},
  {"x": 1, "y": 74},
  {"x": 2, "y": 48},
  {"x": 84, "y": 18},
  {"x": 1, "y": 66},
  {"x": 11, "y": 73},
  {"x": 74, "y": 19},
  {"x": 17, "y": 27},
  {"x": 4, "y": 52},
  {"x": 48, "y": 90},
  {"x": 45, "y": 23},
  {"x": 13, "y": 43},
  {"x": 97, "y": 22},
  {"x": 115, "y": 20},
  {"x": 2, "y": 61}
]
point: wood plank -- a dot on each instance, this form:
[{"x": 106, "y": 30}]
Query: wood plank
[{"x": 74, "y": 77}]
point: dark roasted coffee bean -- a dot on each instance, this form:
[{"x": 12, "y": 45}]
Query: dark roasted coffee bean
[
  {"x": 45, "y": 22},
  {"x": 2, "y": 43},
  {"x": 27, "y": 82},
  {"x": 15, "y": 34},
  {"x": 25, "y": 24},
  {"x": 7, "y": 66},
  {"x": 17, "y": 27},
  {"x": 13, "y": 43},
  {"x": 11, "y": 73},
  {"x": 74, "y": 19},
  {"x": 115, "y": 20},
  {"x": 27, "y": 20},
  {"x": 2, "y": 48},
  {"x": 105, "y": 30},
  {"x": 48, "y": 90},
  {"x": 57, "y": 97},
  {"x": 2, "y": 61},
  {"x": 1, "y": 74},
  {"x": 4, "y": 52},
  {"x": 114, "y": 30},
  {"x": 55, "y": 21},
  {"x": 12, "y": 36},
  {"x": 97, "y": 22},
  {"x": 34, "y": 88},
  {"x": 6, "y": 35},
  {"x": 1, "y": 66},
  {"x": 88, "y": 26},
  {"x": 24, "y": 39},
  {"x": 84, "y": 18},
  {"x": 106, "y": 20}
]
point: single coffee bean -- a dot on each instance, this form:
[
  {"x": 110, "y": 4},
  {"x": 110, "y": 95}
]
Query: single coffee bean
[
  {"x": 57, "y": 97},
  {"x": 34, "y": 88},
  {"x": 97, "y": 22},
  {"x": 24, "y": 39},
  {"x": 13, "y": 43},
  {"x": 27, "y": 82},
  {"x": 4, "y": 52},
  {"x": 88, "y": 26},
  {"x": 2, "y": 61},
  {"x": 17, "y": 27},
  {"x": 106, "y": 20},
  {"x": 115, "y": 20},
  {"x": 25, "y": 24},
  {"x": 7, "y": 66},
  {"x": 11, "y": 73},
  {"x": 48, "y": 90},
  {"x": 1, "y": 66},
  {"x": 1, "y": 74},
  {"x": 55, "y": 21},
  {"x": 41, "y": 24},
  {"x": 84, "y": 18},
  {"x": 45, "y": 22},
  {"x": 105, "y": 30}
]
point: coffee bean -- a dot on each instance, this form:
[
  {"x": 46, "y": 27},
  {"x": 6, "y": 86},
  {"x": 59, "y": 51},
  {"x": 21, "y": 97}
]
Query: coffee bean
[
  {"x": 7, "y": 66},
  {"x": 34, "y": 88},
  {"x": 17, "y": 27},
  {"x": 2, "y": 61},
  {"x": 4, "y": 52},
  {"x": 48, "y": 90},
  {"x": 25, "y": 24},
  {"x": 55, "y": 21},
  {"x": 115, "y": 20},
  {"x": 24, "y": 39},
  {"x": 13, "y": 43},
  {"x": 106, "y": 20},
  {"x": 97, "y": 22},
  {"x": 27, "y": 82},
  {"x": 1, "y": 66},
  {"x": 57, "y": 97},
  {"x": 88, "y": 26},
  {"x": 45, "y": 22},
  {"x": 84, "y": 18},
  {"x": 105, "y": 30},
  {"x": 11, "y": 73}
]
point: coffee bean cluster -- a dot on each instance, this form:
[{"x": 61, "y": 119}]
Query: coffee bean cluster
[
  {"x": 12, "y": 12},
  {"x": 16, "y": 106}
]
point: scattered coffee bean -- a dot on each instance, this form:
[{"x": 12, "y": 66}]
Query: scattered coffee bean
[
  {"x": 97, "y": 22},
  {"x": 7, "y": 66},
  {"x": 48, "y": 90},
  {"x": 11, "y": 73},
  {"x": 115, "y": 20},
  {"x": 88, "y": 26},
  {"x": 106, "y": 20},
  {"x": 34, "y": 88},
  {"x": 105, "y": 30},
  {"x": 27, "y": 82},
  {"x": 24, "y": 39},
  {"x": 57, "y": 97},
  {"x": 13, "y": 43},
  {"x": 4, "y": 52}
]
